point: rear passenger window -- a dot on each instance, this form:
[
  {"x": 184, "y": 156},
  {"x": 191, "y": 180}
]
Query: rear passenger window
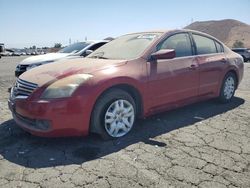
[
  {"x": 179, "y": 42},
  {"x": 219, "y": 47},
  {"x": 204, "y": 45}
]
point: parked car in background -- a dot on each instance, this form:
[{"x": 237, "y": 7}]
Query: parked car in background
[
  {"x": 244, "y": 52},
  {"x": 80, "y": 49},
  {"x": 6, "y": 53},
  {"x": 135, "y": 75},
  {"x": 34, "y": 53},
  {"x": 16, "y": 53},
  {"x": 1, "y": 49}
]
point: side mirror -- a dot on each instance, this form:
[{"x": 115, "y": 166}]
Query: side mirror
[
  {"x": 88, "y": 52},
  {"x": 164, "y": 54}
]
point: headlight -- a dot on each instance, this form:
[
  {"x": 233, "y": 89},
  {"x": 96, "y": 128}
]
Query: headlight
[
  {"x": 17, "y": 67},
  {"x": 65, "y": 86}
]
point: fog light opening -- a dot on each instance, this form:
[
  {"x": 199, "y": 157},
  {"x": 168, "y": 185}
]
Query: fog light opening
[{"x": 42, "y": 124}]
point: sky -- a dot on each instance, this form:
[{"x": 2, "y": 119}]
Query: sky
[{"x": 25, "y": 23}]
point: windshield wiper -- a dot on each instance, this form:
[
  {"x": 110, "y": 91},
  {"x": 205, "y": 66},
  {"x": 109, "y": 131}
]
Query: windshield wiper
[{"x": 98, "y": 57}]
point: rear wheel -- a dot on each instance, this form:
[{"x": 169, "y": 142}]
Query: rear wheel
[
  {"x": 228, "y": 88},
  {"x": 114, "y": 114}
]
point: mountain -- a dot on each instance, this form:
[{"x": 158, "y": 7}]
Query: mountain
[{"x": 228, "y": 31}]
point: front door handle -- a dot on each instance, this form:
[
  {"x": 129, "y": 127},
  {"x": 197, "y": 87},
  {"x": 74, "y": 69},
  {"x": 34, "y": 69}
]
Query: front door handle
[{"x": 223, "y": 60}]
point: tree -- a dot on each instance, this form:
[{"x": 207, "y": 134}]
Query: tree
[
  {"x": 58, "y": 45},
  {"x": 238, "y": 44}
]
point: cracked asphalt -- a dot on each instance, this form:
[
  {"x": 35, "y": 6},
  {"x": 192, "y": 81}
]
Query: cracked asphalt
[{"x": 206, "y": 144}]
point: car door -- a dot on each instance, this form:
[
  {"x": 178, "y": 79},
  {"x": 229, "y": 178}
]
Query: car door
[
  {"x": 212, "y": 63},
  {"x": 177, "y": 79}
]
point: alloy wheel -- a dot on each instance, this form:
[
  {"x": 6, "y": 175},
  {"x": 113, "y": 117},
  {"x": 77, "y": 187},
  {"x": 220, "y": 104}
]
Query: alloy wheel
[
  {"x": 119, "y": 118},
  {"x": 229, "y": 87}
]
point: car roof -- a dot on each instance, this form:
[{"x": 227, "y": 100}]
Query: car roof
[
  {"x": 196, "y": 32},
  {"x": 93, "y": 41},
  {"x": 166, "y": 31},
  {"x": 97, "y": 41},
  {"x": 240, "y": 48}
]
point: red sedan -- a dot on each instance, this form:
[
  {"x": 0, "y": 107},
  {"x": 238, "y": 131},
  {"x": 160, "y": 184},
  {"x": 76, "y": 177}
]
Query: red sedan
[{"x": 135, "y": 75}]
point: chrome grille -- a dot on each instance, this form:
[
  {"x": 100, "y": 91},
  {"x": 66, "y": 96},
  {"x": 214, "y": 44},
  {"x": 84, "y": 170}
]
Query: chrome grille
[{"x": 23, "y": 88}]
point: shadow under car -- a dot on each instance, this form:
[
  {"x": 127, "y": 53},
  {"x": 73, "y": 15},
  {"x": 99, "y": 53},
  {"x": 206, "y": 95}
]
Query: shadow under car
[{"x": 21, "y": 148}]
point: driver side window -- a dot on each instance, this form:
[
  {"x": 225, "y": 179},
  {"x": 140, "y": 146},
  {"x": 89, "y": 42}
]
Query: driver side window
[{"x": 180, "y": 43}]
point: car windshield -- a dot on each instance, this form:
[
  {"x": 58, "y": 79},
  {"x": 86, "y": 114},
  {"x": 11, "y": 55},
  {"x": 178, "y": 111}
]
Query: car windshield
[
  {"x": 74, "y": 48},
  {"x": 125, "y": 47}
]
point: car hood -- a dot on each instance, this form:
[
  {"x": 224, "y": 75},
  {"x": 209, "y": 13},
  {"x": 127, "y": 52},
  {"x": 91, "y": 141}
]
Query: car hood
[
  {"x": 43, "y": 58},
  {"x": 46, "y": 73}
]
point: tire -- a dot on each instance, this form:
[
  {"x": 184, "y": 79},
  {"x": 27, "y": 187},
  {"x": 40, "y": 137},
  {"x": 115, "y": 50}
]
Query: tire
[
  {"x": 244, "y": 58},
  {"x": 113, "y": 115},
  {"x": 228, "y": 88}
]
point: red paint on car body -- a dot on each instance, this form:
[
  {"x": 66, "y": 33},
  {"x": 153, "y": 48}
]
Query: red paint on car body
[{"x": 162, "y": 84}]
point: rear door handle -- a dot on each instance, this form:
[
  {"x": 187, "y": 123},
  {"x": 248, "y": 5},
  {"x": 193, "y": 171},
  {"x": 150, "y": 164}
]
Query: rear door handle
[{"x": 193, "y": 67}]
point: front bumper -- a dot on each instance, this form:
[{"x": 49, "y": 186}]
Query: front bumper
[{"x": 55, "y": 118}]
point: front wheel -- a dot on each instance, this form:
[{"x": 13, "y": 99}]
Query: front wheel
[
  {"x": 228, "y": 88},
  {"x": 114, "y": 114}
]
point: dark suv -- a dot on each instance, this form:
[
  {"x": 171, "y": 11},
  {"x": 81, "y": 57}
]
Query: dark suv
[
  {"x": 244, "y": 52},
  {"x": 1, "y": 48}
]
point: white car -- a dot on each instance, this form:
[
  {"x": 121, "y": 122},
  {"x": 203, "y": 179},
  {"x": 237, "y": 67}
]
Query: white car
[{"x": 80, "y": 49}]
